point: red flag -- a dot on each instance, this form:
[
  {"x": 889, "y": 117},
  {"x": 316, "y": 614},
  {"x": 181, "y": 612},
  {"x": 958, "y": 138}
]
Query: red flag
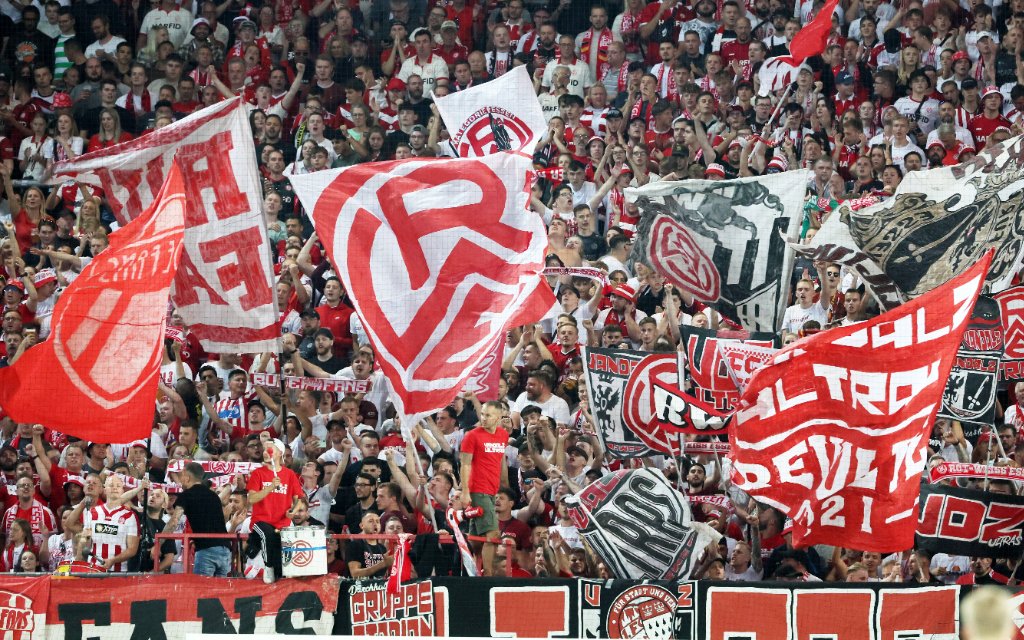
[
  {"x": 834, "y": 430},
  {"x": 438, "y": 257},
  {"x": 811, "y": 40},
  {"x": 95, "y": 377}
]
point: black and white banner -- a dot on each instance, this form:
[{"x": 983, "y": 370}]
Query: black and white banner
[
  {"x": 724, "y": 241},
  {"x": 639, "y": 405},
  {"x": 640, "y": 526},
  {"x": 970, "y": 394},
  {"x": 966, "y": 522},
  {"x": 938, "y": 223}
]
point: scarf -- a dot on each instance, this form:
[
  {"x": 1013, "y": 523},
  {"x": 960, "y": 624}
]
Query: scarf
[
  {"x": 129, "y": 103},
  {"x": 400, "y": 567},
  {"x": 620, "y": 82},
  {"x": 631, "y": 24},
  {"x": 598, "y": 54},
  {"x": 454, "y": 518}
]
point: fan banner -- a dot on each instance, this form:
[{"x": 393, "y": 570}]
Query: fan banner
[
  {"x": 438, "y": 257},
  {"x": 743, "y": 359},
  {"x": 970, "y": 395},
  {"x": 224, "y": 288},
  {"x": 946, "y": 470},
  {"x": 578, "y": 272},
  {"x": 640, "y": 526},
  {"x": 501, "y": 115},
  {"x": 638, "y": 405},
  {"x": 937, "y": 225},
  {"x": 96, "y": 376},
  {"x": 724, "y": 241},
  {"x": 833, "y": 430},
  {"x": 714, "y": 382},
  {"x": 484, "y": 380},
  {"x": 333, "y": 385},
  {"x": 1011, "y": 311},
  {"x": 966, "y": 522}
]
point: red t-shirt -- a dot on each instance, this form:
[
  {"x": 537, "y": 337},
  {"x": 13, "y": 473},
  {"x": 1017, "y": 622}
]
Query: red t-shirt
[
  {"x": 488, "y": 451},
  {"x": 981, "y": 127},
  {"x": 337, "y": 320},
  {"x": 272, "y": 509}
]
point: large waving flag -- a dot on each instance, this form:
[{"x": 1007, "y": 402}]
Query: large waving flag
[
  {"x": 224, "y": 289},
  {"x": 501, "y": 115},
  {"x": 834, "y": 430},
  {"x": 778, "y": 72},
  {"x": 96, "y": 376},
  {"x": 438, "y": 257}
]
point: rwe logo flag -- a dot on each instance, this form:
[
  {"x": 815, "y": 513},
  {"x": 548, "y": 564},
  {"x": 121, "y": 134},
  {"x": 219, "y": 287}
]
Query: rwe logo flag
[
  {"x": 438, "y": 257},
  {"x": 224, "y": 288},
  {"x": 500, "y": 115},
  {"x": 833, "y": 431},
  {"x": 95, "y": 377}
]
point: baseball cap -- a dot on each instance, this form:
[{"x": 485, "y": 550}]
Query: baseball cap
[
  {"x": 988, "y": 34},
  {"x": 788, "y": 527},
  {"x": 418, "y": 31},
  {"x": 844, "y": 77},
  {"x": 420, "y": 128},
  {"x": 612, "y": 113},
  {"x": 394, "y": 84},
  {"x": 15, "y": 284},
  {"x": 197, "y": 22},
  {"x": 324, "y": 331},
  {"x": 277, "y": 444},
  {"x": 969, "y": 83},
  {"x": 936, "y": 143},
  {"x": 961, "y": 55},
  {"x": 310, "y": 313},
  {"x": 75, "y": 480},
  {"x": 991, "y": 91},
  {"x": 624, "y": 291},
  {"x": 449, "y": 24},
  {"x": 244, "y": 23}
]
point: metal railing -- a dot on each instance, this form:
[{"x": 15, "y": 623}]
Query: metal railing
[{"x": 236, "y": 539}]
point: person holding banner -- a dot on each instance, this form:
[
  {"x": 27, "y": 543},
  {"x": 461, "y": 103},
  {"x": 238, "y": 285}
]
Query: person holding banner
[
  {"x": 273, "y": 491},
  {"x": 202, "y": 508}
]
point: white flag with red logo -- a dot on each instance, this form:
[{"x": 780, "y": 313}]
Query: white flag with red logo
[
  {"x": 224, "y": 287},
  {"x": 501, "y": 115},
  {"x": 777, "y": 73},
  {"x": 95, "y": 377},
  {"x": 438, "y": 257},
  {"x": 834, "y": 430}
]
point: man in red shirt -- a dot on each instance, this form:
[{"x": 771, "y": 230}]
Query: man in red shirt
[
  {"x": 335, "y": 315},
  {"x": 483, "y": 472},
  {"x": 273, "y": 491},
  {"x": 991, "y": 118}
]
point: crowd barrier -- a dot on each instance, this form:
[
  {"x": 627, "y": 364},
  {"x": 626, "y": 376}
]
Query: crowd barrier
[{"x": 169, "y": 607}]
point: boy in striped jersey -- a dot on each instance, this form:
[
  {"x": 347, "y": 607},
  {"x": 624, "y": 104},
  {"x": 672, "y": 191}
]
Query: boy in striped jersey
[{"x": 114, "y": 531}]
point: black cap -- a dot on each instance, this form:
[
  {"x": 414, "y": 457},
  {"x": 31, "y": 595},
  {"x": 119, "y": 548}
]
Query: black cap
[
  {"x": 969, "y": 83},
  {"x": 310, "y": 313},
  {"x": 612, "y": 113}
]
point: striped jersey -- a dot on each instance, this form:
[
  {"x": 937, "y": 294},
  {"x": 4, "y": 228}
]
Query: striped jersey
[{"x": 111, "y": 529}]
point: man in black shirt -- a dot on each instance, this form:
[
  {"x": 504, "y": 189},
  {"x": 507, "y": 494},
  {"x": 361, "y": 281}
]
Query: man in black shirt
[
  {"x": 154, "y": 524},
  {"x": 369, "y": 558},
  {"x": 205, "y": 514},
  {"x": 366, "y": 502}
]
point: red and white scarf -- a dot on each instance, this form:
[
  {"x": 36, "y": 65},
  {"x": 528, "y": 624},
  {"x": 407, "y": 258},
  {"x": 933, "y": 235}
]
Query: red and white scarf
[
  {"x": 145, "y": 99},
  {"x": 596, "y": 57},
  {"x": 620, "y": 83},
  {"x": 631, "y": 22}
]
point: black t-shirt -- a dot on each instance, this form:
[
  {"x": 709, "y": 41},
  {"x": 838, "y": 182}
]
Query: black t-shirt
[
  {"x": 205, "y": 514},
  {"x": 334, "y": 364},
  {"x": 594, "y": 246},
  {"x": 367, "y": 555},
  {"x": 145, "y": 558},
  {"x": 354, "y": 515},
  {"x": 283, "y": 187}
]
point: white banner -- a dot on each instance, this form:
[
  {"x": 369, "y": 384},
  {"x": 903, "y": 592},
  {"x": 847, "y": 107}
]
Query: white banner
[
  {"x": 224, "y": 288},
  {"x": 501, "y": 115},
  {"x": 438, "y": 257}
]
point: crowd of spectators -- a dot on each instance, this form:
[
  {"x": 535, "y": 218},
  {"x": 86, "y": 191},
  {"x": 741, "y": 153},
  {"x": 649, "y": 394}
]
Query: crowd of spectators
[{"x": 633, "y": 93}]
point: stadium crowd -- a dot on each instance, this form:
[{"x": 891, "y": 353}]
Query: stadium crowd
[{"x": 634, "y": 93}]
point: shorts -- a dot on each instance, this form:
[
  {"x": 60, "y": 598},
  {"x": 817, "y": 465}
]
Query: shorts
[{"x": 488, "y": 521}]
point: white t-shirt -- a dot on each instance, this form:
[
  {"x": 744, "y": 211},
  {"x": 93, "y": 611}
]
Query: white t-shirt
[
  {"x": 928, "y": 116},
  {"x": 435, "y": 67},
  {"x": 796, "y": 316},
  {"x": 579, "y": 76},
  {"x": 177, "y": 22},
  {"x": 553, "y": 407},
  {"x": 110, "y": 48}
]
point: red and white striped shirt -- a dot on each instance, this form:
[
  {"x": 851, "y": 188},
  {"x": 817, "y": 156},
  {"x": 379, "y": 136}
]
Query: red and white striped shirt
[
  {"x": 38, "y": 514},
  {"x": 110, "y": 532}
]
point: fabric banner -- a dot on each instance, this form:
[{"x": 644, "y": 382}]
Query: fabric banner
[
  {"x": 941, "y": 221},
  {"x": 947, "y": 470},
  {"x": 714, "y": 382},
  {"x": 970, "y": 394},
  {"x": 971, "y": 523},
  {"x": 743, "y": 359},
  {"x": 1011, "y": 312},
  {"x": 655, "y": 537},
  {"x": 224, "y": 288},
  {"x": 483, "y": 380},
  {"x": 24, "y": 602},
  {"x": 653, "y": 610},
  {"x": 724, "y": 241},
  {"x": 501, "y": 115},
  {"x": 438, "y": 257},
  {"x": 334, "y": 385},
  {"x": 171, "y": 606},
  {"x": 832, "y": 431},
  {"x": 96, "y": 376},
  {"x": 638, "y": 406},
  {"x": 219, "y": 467}
]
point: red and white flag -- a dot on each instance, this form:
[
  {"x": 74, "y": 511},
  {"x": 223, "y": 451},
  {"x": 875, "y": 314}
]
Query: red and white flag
[
  {"x": 777, "y": 73},
  {"x": 813, "y": 38},
  {"x": 501, "y": 115},
  {"x": 95, "y": 377},
  {"x": 438, "y": 257},
  {"x": 834, "y": 430},
  {"x": 225, "y": 287}
]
